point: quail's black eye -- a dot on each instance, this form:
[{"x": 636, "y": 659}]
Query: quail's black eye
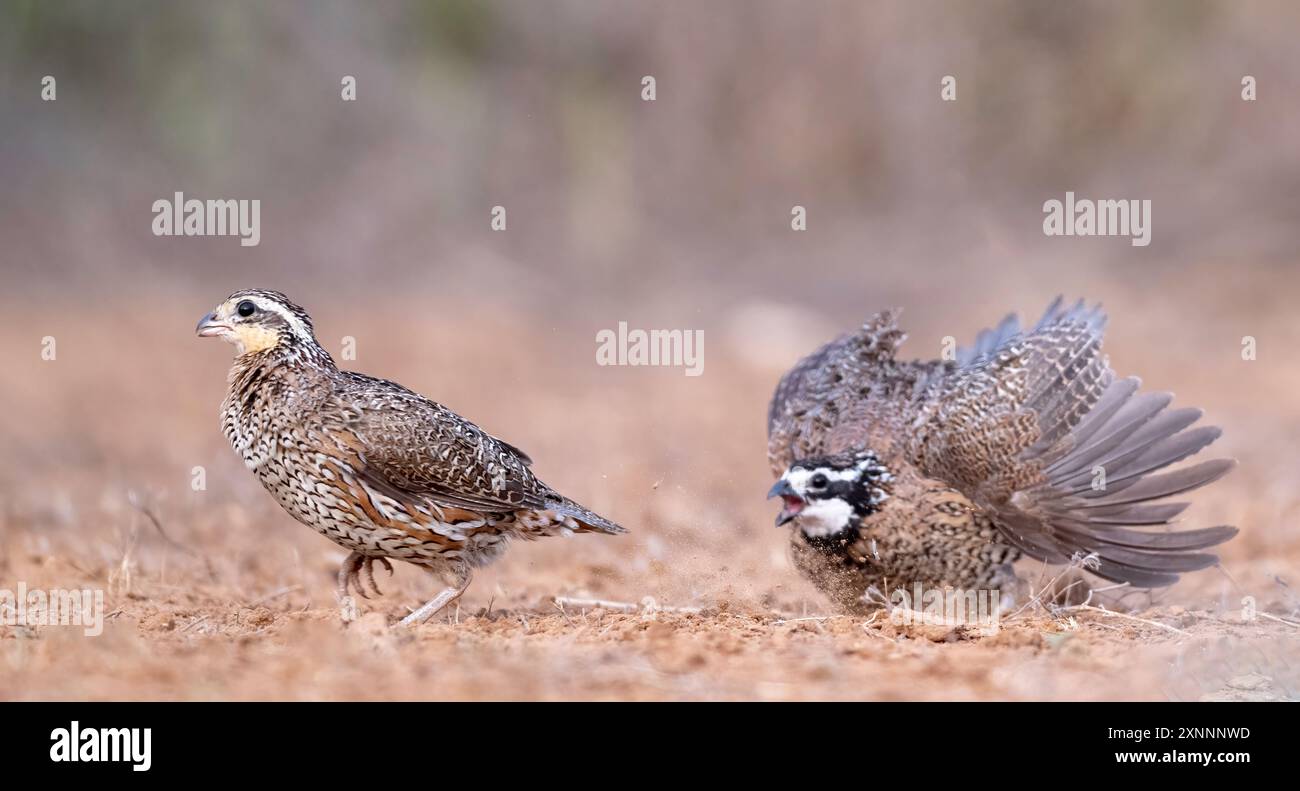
[
  {"x": 819, "y": 481},
  {"x": 245, "y": 308}
]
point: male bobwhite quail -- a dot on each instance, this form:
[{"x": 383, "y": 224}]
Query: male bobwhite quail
[
  {"x": 942, "y": 473},
  {"x": 378, "y": 469}
]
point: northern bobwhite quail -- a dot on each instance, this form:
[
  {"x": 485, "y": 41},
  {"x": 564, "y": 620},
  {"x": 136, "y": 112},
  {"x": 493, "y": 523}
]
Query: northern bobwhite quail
[
  {"x": 944, "y": 472},
  {"x": 374, "y": 467}
]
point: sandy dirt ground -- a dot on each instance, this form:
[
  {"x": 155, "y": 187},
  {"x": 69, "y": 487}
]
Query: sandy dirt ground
[{"x": 215, "y": 594}]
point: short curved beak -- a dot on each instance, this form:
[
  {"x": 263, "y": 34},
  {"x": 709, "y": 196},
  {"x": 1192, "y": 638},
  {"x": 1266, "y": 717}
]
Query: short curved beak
[
  {"x": 793, "y": 502},
  {"x": 209, "y": 326},
  {"x": 781, "y": 488}
]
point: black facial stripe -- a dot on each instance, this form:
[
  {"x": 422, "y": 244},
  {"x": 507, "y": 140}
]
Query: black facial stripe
[
  {"x": 860, "y": 498},
  {"x": 270, "y": 318},
  {"x": 841, "y": 489}
]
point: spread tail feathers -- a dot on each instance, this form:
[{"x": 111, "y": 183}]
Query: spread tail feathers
[{"x": 1108, "y": 475}]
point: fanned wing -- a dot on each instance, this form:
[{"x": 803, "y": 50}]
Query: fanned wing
[
  {"x": 989, "y": 340},
  {"x": 407, "y": 444},
  {"x": 1036, "y": 428}
]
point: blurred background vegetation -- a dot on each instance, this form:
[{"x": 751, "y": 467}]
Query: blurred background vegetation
[{"x": 466, "y": 104}]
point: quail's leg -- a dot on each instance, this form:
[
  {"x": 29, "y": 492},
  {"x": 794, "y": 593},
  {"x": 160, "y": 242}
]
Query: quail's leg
[
  {"x": 348, "y": 573},
  {"x": 348, "y": 570},
  {"x": 447, "y": 596}
]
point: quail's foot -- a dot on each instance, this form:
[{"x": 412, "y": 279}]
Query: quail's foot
[{"x": 358, "y": 569}]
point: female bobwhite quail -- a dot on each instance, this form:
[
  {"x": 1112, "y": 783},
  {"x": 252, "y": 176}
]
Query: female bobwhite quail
[
  {"x": 378, "y": 469},
  {"x": 942, "y": 473}
]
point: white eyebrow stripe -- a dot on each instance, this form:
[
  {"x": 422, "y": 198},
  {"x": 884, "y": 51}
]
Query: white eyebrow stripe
[
  {"x": 296, "y": 324},
  {"x": 800, "y": 478}
]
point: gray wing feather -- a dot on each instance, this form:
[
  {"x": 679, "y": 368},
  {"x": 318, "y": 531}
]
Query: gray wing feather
[{"x": 1083, "y": 423}]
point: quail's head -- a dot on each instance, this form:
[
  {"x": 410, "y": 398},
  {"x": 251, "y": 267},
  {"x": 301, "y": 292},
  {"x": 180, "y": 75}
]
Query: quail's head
[
  {"x": 255, "y": 320},
  {"x": 828, "y": 496}
]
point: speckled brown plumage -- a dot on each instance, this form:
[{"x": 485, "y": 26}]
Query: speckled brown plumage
[
  {"x": 380, "y": 470},
  {"x": 1025, "y": 443}
]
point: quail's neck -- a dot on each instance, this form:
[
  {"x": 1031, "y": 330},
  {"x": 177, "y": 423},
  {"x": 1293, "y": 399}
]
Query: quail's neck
[{"x": 287, "y": 353}]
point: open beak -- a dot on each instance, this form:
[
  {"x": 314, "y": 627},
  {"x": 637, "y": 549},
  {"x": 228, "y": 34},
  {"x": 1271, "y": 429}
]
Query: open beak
[
  {"x": 793, "y": 502},
  {"x": 209, "y": 326}
]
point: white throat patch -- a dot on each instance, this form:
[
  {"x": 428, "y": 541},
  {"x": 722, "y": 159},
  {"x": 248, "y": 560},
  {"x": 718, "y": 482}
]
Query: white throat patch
[{"x": 824, "y": 518}]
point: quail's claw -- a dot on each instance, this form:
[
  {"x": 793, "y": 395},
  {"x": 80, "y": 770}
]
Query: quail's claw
[
  {"x": 368, "y": 568},
  {"x": 349, "y": 577}
]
